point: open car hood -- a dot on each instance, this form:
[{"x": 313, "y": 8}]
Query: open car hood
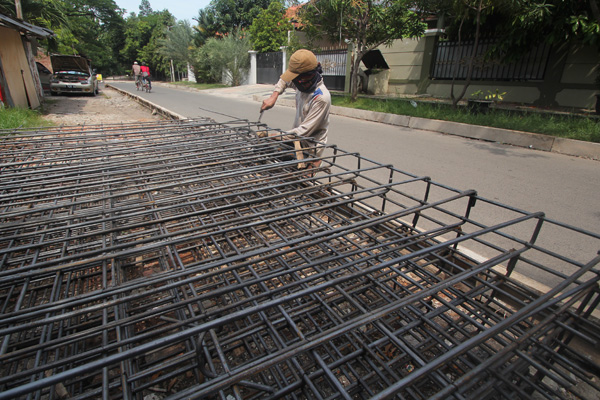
[{"x": 70, "y": 63}]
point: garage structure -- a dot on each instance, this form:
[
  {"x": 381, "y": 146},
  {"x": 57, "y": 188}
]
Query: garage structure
[{"x": 20, "y": 84}]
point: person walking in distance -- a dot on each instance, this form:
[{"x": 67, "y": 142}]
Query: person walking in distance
[
  {"x": 313, "y": 100},
  {"x": 136, "y": 70}
]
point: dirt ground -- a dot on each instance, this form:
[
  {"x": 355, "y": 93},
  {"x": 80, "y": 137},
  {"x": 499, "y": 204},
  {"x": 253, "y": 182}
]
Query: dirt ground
[{"x": 109, "y": 106}]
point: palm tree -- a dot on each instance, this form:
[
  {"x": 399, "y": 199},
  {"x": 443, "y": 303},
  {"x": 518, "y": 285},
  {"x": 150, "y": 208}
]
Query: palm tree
[{"x": 45, "y": 13}]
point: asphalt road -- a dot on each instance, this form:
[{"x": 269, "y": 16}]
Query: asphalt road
[{"x": 566, "y": 188}]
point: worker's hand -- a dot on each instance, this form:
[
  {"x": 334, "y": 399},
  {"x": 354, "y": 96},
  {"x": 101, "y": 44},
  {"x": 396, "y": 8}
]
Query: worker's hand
[
  {"x": 262, "y": 134},
  {"x": 269, "y": 102}
]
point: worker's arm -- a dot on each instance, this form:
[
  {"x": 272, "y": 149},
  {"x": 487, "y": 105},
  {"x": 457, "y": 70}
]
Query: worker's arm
[
  {"x": 280, "y": 87},
  {"x": 269, "y": 102}
]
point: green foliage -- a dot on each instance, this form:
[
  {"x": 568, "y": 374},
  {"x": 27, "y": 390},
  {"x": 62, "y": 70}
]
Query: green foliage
[
  {"x": 178, "y": 43},
  {"x": 491, "y": 96},
  {"x": 144, "y": 37},
  {"x": 94, "y": 31},
  {"x": 200, "y": 86},
  {"x": 137, "y": 34},
  {"x": 225, "y": 16},
  {"x": 366, "y": 23},
  {"x": 208, "y": 26},
  {"x": 269, "y": 31},
  {"x": 520, "y": 25},
  {"x": 227, "y": 58},
  {"x": 45, "y": 13},
  {"x": 478, "y": 94},
  {"x": 13, "y": 118},
  {"x": 145, "y": 9},
  {"x": 89, "y": 28},
  {"x": 495, "y": 96}
]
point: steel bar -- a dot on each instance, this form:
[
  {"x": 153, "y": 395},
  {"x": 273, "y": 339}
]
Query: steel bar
[{"x": 196, "y": 260}]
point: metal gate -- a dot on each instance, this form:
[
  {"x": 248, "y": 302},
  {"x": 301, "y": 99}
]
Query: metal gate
[
  {"x": 452, "y": 59},
  {"x": 334, "y": 68},
  {"x": 269, "y": 67}
]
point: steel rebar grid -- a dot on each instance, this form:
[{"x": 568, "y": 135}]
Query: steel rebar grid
[{"x": 193, "y": 259}]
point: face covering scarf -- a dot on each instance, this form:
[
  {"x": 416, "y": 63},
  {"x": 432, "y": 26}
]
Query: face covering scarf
[{"x": 308, "y": 81}]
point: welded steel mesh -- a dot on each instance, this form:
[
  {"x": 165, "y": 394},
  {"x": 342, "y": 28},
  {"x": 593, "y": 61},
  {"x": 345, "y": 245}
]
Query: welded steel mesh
[{"x": 193, "y": 260}]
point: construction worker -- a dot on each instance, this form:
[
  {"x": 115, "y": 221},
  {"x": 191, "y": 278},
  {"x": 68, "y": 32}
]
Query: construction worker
[{"x": 313, "y": 100}]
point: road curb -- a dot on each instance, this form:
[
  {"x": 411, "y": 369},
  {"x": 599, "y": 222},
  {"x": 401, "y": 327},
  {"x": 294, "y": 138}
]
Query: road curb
[
  {"x": 535, "y": 141},
  {"x": 148, "y": 104}
]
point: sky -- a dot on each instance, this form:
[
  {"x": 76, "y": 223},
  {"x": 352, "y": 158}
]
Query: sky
[{"x": 181, "y": 9}]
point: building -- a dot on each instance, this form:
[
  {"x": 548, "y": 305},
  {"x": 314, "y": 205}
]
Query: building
[
  {"x": 548, "y": 76},
  {"x": 20, "y": 84}
]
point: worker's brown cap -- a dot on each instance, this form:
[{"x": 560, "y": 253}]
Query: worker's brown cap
[{"x": 301, "y": 61}]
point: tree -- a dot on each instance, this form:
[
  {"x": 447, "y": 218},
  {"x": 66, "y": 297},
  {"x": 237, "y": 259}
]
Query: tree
[
  {"x": 207, "y": 27},
  {"x": 145, "y": 9},
  {"x": 178, "y": 44},
  {"x": 95, "y": 30},
  {"x": 45, "y": 13},
  {"x": 554, "y": 21},
  {"x": 478, "y": 6},
  {"x": 143, "y": 35},
  {"x": 228, "y": 57},
  {"x": 225, "y": 16},
  {"x": 515, "y": 26},
  {"x": 367, "y": 24},
  {"x": 269, "y": 31}
]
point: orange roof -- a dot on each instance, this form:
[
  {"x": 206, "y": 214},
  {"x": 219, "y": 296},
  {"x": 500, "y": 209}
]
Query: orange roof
[{"x": 292, "y": 14}]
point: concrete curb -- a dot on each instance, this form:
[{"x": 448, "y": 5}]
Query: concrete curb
[
  {"x": 515, "y": 138},
  {"x": 148, "y": 104}
]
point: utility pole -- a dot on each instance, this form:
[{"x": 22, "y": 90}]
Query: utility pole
[{"x": 18, "y": 8}]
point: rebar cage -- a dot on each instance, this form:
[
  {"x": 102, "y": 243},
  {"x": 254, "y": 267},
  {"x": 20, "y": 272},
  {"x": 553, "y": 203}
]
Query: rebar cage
[{"x": 193, "y": 260}]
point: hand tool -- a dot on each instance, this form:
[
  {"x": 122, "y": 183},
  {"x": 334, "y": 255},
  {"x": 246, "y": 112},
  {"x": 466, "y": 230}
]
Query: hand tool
[{"x": 299, "y": 154}]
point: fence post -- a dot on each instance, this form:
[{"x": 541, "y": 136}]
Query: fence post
[
  {"x": 284, "y": 58},
  {"x": 349, "y": 66},
  {"x": 252, "y": 75}
]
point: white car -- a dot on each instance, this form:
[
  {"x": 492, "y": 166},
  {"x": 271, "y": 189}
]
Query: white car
[{"x": 72, "y": 74}]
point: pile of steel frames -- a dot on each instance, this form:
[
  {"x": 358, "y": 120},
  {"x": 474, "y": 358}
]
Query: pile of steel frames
[{"x": 194, "y": 260}]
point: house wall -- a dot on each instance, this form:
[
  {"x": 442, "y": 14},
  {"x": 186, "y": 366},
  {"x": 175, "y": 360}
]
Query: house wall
[
  {"x": 17, "y": 72},
  {"x": 569, "y": 80},
  {"x": 405, "y": 59},
  {"x": 580, "y": 75}
]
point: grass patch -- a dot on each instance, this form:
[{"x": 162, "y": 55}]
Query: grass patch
[
  {"x": 13, "y": 118},
  {"x": 200, "y": 86},
  {"x": 567, "y": 126}
]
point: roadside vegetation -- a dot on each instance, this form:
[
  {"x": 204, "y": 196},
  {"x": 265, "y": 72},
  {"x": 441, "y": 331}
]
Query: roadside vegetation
[
  {"x": 571, "y": 126},
  {"x": 14, "y": 118},
  {"x": 200, "y": 86}
]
